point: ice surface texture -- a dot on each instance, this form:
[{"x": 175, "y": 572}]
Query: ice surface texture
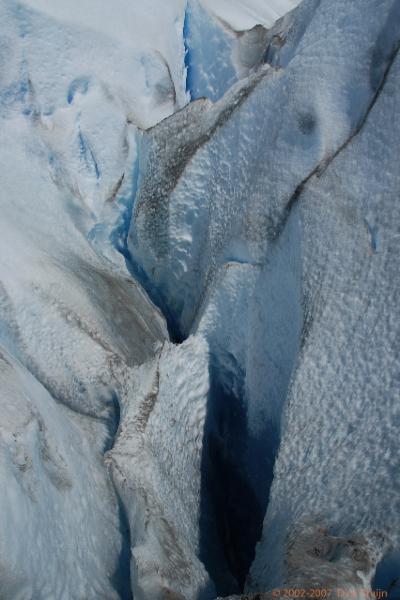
[
  {"x": 246, "y": 175},
  {"x": 159, "y": 444},
  {"x": 72, "y": 327},
  {"x": 273, "y": 234}
]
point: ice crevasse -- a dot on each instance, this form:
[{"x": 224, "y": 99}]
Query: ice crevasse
[{"x": 199, "y": 298}]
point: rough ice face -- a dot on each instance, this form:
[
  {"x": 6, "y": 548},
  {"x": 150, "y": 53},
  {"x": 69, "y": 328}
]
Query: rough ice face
[
  {"x": 59, "y": 514},
  {"x": 56, "y": 292},
  {"x": 79, "y": 326},
  {"x": 227, "y": 211},
  {"x": 154, "y": 227},
  {"x": 65, "y": 361},
  {"x": 226, "y": 250},
  {"x": 340, "y": 427},
  {"x": 220, "y": 190},
  {"x": 85, "y": 74},
  {"x": 156, "y": 466}
]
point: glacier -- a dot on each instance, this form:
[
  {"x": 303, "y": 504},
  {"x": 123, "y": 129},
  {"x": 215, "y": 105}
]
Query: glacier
[{"x": 199, "y": 299}]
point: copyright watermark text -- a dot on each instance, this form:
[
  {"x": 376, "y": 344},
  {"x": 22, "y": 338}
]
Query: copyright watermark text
[{"x": 321, "y": 593}]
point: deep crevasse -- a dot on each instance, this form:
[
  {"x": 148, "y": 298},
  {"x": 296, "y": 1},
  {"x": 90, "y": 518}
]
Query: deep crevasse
[{"x": 265, "y": 232}]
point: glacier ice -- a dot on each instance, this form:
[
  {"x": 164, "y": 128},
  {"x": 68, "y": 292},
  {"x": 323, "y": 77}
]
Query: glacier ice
[
  {"x": 64, "y": 362},
  {"x": 243, "y": 15},
  {"x": 229, "y": 202},
  {"x": 346, "y": 419},
  {"x": 222, "y": 236},
  {"x": 217, "y": 56},
  {"x": 59, "y": 517},
  {"x": 160, "y": 444},
  {"x": 198, "y": 298}
]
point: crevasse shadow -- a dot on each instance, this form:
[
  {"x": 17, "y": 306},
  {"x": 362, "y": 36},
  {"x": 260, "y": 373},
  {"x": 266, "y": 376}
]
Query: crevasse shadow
[{"x": 232, "y": 512}]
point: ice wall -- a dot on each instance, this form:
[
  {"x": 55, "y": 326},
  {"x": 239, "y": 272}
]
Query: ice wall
[{"x": 224, "y": 233}]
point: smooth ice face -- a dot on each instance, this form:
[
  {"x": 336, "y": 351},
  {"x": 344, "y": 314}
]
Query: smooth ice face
[
  {"x": 226, "y": 41},
  {"x": 245, "y": 14},
  {"x": 216, "y": 55}
]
